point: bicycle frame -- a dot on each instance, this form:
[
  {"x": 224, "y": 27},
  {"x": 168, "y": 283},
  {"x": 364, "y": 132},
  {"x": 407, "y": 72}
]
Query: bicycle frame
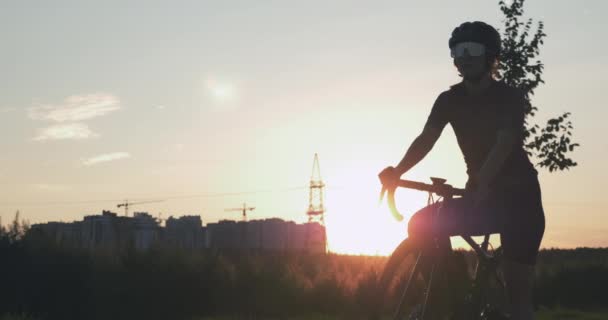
[{"x": 485, "y": 261}]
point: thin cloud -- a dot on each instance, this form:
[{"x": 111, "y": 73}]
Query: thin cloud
[
  {"x": 7, "y": 109},
  {"x": 105, "y": 158},
  {"x": 76, "y": 108},
  {"x": 72, "y": 131}
]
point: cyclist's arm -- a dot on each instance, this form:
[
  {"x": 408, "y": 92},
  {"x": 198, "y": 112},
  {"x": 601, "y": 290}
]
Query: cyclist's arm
[
  {"x": 436, "y": 121},
  {"x": 419, "y": 148}
]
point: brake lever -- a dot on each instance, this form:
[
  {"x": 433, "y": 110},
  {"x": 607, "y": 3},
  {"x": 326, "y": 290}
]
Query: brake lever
[
  {"x": 382, "y": 195},
  {"x": 391, "y": 202}
]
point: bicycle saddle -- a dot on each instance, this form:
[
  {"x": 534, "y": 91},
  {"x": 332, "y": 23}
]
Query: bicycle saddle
[{"x": 438, "y": 180}]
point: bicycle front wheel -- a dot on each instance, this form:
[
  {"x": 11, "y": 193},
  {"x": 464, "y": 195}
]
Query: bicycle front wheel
[
  {"x": 422, "y": 289},
  {"x": 401, "y": 271}
]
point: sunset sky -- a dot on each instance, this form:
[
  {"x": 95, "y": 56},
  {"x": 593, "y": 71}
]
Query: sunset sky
[{"x": 187, "y": 102}]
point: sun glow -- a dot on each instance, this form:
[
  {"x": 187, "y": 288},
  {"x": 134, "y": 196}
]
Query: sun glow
[
  {"x": 357, "y": 224},
  {"x": 220, "y": 91}
]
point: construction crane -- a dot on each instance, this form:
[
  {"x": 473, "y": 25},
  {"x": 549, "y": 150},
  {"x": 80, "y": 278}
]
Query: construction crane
[
  {"x": 244, "y": 210},
  {"x": 126, "y": 204}
]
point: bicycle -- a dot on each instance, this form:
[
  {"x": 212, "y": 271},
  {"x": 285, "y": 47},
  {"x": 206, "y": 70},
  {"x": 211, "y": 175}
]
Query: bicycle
[{"x": 475, "y": 303}]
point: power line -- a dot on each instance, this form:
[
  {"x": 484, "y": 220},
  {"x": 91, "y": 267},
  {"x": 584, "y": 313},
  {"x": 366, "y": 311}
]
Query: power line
[
  {"x": 201, "y": 195},
  {"x": 227, "y": 194}
]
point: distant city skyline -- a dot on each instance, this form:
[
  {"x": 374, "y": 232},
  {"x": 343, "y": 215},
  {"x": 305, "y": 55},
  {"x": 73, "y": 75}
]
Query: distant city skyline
[
  {"x": 142, "y": 232},
  {"x": 109, "y": 102}
]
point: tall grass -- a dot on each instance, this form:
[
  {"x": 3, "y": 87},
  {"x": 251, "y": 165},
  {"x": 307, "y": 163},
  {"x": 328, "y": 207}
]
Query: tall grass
[{"x": 45, "y": 281}]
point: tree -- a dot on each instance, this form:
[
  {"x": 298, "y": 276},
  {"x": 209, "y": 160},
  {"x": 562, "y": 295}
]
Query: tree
[
  {"x": 551, "y": 144},
  {"x": 16, "y": 230},
  {"x": 2, "y": 229}
]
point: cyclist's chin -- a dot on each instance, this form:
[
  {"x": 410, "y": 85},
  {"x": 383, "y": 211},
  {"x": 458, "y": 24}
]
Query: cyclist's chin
[{"x": 472, "y": 76}]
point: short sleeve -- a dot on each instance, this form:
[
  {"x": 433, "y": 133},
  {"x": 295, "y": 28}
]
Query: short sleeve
[
  {"x": 439, "y": 116},
  {"x": 514, "y": 113}
]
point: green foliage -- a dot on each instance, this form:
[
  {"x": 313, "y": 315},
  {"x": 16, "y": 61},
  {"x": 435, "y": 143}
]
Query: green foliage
[{"x": 519, "y": 67}]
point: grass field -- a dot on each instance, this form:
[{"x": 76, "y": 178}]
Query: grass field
[
  {"x": 567, "y": 314},
  {"x": 70, "y": 284},
  {"x": 542, "y": 314}
]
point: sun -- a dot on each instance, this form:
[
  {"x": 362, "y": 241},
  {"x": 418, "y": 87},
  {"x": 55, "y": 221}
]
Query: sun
[
  {"x": 220, "y": 91},
  {"x": 357, "y": 224}
]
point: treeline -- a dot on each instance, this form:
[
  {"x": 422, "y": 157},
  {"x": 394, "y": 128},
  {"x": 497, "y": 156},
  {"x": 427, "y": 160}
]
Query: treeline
[
  {"x": 570, "y": 278},
  {"x": 46, "y": 281},
  {"x": 576, "y": 278}
]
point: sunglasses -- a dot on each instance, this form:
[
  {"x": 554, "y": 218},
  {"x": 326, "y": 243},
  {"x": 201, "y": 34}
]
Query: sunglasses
[{"x": 473, "y": 48}]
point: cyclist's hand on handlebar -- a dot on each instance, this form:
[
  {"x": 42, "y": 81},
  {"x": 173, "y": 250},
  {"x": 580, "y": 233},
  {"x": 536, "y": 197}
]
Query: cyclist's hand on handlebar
[{"x": 389, "y": 177}]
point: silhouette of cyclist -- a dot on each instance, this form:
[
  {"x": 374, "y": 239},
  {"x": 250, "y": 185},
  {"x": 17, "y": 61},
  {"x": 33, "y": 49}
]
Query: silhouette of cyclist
[{"x": 502, "y": 192}]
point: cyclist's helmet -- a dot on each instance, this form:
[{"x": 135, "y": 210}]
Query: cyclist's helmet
[{"x": 479, "y": 32}]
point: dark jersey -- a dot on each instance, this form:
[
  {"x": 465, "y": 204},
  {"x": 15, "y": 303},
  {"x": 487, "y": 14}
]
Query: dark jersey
[{"x": 476, "y": 120}]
